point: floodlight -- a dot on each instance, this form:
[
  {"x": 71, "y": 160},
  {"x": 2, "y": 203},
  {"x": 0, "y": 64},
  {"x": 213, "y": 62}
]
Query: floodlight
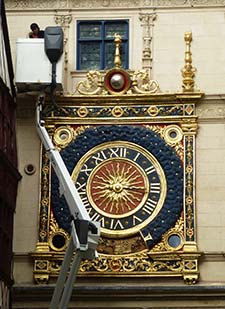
[{"x": 53, "y": 43}]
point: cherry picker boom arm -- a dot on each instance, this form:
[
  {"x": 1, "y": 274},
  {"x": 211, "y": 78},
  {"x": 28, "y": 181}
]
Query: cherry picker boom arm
[
  {"x": 84, "y": 232},
  {"x": 67, "y": 187}
]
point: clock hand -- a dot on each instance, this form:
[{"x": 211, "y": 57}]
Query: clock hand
[{"x": 134, "y": 188}]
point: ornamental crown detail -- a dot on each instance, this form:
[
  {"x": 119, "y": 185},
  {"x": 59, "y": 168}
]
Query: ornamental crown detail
[{"x": 117, "y": 81}]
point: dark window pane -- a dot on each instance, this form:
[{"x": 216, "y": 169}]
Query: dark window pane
[
  {"x": 110, "y": 54},
  {"x": 88, "y": 31},
  {"x": 112, "y": 28},
  {"x": 89, "y": 56},
  {"x": 96, "y": 47}
]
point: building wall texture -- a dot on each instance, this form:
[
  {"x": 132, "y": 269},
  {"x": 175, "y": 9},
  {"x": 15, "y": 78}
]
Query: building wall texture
[
  {"x": 158, "y": 27},
  {"x": 9, "y": 175}
]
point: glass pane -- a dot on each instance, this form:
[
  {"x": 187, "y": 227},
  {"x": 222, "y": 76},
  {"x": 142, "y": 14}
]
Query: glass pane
[
  {"x": 89, "y": 56},
  {"x": 88, "y": 31},
  {"x": 112, "y": 28},
  {"x": 110, "y": 54},
  {"x": 174, "y": 241}
]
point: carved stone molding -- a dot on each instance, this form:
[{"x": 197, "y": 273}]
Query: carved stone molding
[
  {"x": 63, "y": 20},
  {"x": 211, "y": 112},
  {"x": 32, "y": 4},
  {"x": 70, "y": 4},
  {"x": 211, "y": 109},
  {"x": 147, "y": 21},
  {"x": 183, "y": 3}
]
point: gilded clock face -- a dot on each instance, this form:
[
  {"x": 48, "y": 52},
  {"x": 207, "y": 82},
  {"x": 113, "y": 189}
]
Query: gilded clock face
[
  {"x": 122, "y": 185},
  {"x": 129, "y": 179}
]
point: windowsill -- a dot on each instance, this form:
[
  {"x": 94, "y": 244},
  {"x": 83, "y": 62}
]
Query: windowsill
[{"x": 78, "y": 73}]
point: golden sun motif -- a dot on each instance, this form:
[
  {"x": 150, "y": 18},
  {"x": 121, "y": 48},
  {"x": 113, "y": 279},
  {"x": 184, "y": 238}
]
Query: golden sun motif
[
  {"x": 122, "y": 186},
  {"x": 117, "y": 187}
]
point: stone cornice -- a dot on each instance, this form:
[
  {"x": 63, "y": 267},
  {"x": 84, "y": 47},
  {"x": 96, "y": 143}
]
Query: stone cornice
[
  {"x": 126, "y": 4},
  {"x": 211, "y": 108}
]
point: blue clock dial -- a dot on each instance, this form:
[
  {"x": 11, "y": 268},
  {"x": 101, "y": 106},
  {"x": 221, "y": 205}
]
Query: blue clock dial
[{"x": 129, "y": 179}]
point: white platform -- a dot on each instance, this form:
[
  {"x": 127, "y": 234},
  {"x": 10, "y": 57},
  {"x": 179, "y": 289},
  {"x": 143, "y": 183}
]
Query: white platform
[{"x": 33, "y": 69}]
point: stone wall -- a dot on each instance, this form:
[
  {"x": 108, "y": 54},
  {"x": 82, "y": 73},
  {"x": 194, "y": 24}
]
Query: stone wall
[{"x": 158, "y": 27}]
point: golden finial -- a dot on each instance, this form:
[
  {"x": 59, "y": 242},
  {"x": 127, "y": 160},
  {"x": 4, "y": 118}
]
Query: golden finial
[
  {"x": 117, "y": 60},
  {"x": 188, "y": 72}
]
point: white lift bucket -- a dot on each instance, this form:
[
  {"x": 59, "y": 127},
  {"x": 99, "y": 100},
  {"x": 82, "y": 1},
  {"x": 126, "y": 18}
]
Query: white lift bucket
[{"x": 33, "y": 68}]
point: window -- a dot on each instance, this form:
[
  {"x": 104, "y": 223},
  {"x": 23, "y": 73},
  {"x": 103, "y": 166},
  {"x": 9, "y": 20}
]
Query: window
[{"x": 96, "y": 48}]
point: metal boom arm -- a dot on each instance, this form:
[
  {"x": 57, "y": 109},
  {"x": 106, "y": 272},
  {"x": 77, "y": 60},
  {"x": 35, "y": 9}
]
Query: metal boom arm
[{"x": 84, "y": 232}]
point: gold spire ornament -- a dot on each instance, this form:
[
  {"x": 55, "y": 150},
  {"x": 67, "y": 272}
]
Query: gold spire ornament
[
  {"x": 117, "y": 60},
  {"x": 188, "y": 72}
]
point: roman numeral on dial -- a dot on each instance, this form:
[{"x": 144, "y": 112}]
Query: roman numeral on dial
[
  {"x": 149, "y": 206},
  {"x": 155, "y": 187}
]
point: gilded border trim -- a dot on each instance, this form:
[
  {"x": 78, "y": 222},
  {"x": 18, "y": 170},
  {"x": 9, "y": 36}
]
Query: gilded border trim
[{"x": 157, "y": 116}]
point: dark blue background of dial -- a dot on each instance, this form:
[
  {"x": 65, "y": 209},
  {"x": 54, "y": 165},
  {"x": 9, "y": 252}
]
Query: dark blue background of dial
[{"x": 144, "y": 137}]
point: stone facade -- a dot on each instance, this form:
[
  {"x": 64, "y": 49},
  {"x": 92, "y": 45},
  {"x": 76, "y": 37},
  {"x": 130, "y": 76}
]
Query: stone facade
[{"x": 155, "y": 42}]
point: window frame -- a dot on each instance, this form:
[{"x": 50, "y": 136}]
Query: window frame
[{"x": 103, "y": 40}]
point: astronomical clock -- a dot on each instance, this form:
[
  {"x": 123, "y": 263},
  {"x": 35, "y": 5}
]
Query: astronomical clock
[{"x": 130, "y": 151}]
